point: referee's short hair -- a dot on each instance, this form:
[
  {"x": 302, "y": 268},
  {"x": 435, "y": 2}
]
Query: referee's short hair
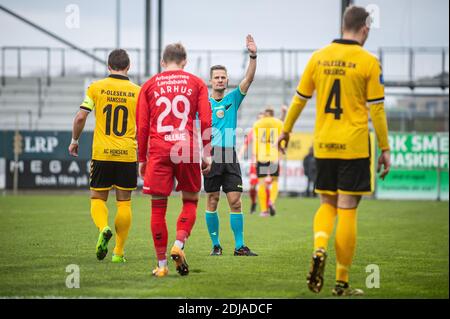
[
  {"x": 118, "y": 60},
  {"x": 355, "y": 18},
  {"x": 216, "y": 67}
]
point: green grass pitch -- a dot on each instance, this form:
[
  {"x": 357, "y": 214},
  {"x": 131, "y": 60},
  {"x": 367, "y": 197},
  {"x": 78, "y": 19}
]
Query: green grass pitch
[{"x": 41, "y": 234}]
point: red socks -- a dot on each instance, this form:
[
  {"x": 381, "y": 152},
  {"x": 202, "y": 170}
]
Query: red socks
[
  {"x": 253, "y": 195},
  {"x": 185, "y": 223},
  {"x": 159, "y": 227},
  {"x": 186, "y": 220}
]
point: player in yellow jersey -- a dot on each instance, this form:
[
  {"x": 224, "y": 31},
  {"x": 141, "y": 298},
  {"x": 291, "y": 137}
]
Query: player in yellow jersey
[
  {"x": 114, "y": 158},
  {"x": 266, "y": 132},
  {"x": 252, "y": 170},
  {"x": 349, "y": 85}
]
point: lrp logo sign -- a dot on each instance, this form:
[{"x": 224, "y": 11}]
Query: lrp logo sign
[{"x": 40, "y": 144}]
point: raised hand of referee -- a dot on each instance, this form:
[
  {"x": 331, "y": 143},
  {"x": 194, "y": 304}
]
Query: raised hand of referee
[{"x": 251, "y": 45}]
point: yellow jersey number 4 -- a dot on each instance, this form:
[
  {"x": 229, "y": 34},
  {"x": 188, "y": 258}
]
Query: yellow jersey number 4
[{"x": 336, "y": 95}]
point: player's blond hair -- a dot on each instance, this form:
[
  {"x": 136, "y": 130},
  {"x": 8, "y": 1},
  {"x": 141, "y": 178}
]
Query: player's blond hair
[{"x": 174, "y": 52}]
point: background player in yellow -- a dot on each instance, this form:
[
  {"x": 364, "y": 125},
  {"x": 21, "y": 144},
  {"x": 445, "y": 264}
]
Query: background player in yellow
[
  {"x": 249, "y": 140},
  {"x": 114, "y": 159},
  {"x": 266, "y": 132},
  {"x": 349, "y": 85}
]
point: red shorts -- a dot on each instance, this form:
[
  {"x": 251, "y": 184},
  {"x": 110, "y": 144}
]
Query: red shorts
[
  {"x": 160, "y": 174},
  {"x": 253, "y": 175}
]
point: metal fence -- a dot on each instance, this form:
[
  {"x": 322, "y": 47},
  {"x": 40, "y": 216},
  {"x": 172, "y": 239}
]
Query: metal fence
[
  {"x": 409, "y": 68},
  {"x": 403, "y": 67}
]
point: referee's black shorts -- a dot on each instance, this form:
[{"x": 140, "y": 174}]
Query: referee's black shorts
[
  {"x": 347, "y": 177},
  {"x": 105, "y": 175},
  {"x": 225, "y": 172}
]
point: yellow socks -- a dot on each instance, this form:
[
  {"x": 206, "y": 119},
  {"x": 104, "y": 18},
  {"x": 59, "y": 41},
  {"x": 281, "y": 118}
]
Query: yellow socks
[
  {"x": 122, "y": 224},
  {"x": 99, "y": 213},
  {"x": 323, "y": 225},
  {"x": 262, "y": 196},
  {"x": 345, "y": 242},
  {"x": 274, "y": 190}
]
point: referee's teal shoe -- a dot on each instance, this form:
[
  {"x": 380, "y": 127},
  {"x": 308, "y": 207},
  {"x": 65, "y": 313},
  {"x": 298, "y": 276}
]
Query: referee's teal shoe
[{"x": 101, "y": 249}]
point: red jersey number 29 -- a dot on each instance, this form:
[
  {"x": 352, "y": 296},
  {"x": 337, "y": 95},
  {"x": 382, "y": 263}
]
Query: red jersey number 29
[{"x": 173, "y": 106}]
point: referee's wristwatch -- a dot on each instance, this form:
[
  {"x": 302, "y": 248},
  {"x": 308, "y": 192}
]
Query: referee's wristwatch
[{"x": 253, "y": 56}]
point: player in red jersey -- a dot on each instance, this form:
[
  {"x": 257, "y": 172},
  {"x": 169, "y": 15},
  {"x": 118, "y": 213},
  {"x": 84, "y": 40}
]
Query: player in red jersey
[{"x": 168, "y": 148}]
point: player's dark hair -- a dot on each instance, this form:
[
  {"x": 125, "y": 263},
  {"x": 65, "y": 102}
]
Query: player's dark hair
[
  {"x": 216, "y": 67},
  {"x": 118, "y": 60},
  {"x": 174, "y": 52},
  {"x": 355, "y": 18}
]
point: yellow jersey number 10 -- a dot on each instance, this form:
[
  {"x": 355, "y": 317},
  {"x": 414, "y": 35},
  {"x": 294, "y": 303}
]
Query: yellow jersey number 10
[{"x": 115, "y": 119}]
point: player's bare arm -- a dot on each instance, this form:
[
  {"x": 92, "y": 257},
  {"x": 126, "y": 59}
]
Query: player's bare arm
[
  {"x": 251, "y": 69},
  {"x": 142, "y": 168},
  {"x": 206, "y": 164},
  {"x": 78, "y": 126},
  {"x": 205, "y": 116}
]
